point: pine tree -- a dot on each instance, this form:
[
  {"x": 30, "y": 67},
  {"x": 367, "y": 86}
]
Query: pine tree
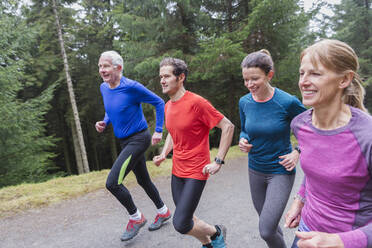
[
  {"x": 352, "y": 24},
  {"x": 24, "y": 148},
  {"x": 80, "y": 151}
]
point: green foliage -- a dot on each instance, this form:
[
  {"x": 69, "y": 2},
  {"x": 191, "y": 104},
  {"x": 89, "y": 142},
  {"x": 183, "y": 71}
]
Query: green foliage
[
  {"x": 352, "y": 24},
  {"x": 280, "y": 27},
  {"x": 24, "y": 148},
  {"x": 273, "y": 25},
  {"x": 368, "y": 99}
]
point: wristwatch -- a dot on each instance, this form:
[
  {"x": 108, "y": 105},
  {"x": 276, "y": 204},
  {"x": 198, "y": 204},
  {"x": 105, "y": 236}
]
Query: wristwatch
[
  {"x": 219, "y": 161},
  {"x": 298, "y": 149}
]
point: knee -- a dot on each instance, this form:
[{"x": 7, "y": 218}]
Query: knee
[
  {"x": 143, "y": 183},
  {"x": 266, "y": 234},
  {"x": 111, "y": 185},
  {"x": 182, "y": 225}
]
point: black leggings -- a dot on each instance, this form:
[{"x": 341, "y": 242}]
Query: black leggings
[
  {"x": 132, "y": 158},
  {"x": 186, "y": 194}
]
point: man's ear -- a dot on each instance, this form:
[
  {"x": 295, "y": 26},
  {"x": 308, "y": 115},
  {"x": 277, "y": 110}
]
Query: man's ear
[
  {"x": 182, "y": 77},
  {"x": 346, "y": 80},
  {"x": 118, "y": 67}
]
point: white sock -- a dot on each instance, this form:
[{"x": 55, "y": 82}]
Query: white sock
[
  {"x": 136, "y": 216},
  {"x": 163, "y": 210}
]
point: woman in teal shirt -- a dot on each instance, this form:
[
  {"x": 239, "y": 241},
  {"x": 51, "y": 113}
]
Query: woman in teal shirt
[{"x": 265, "y": 114}]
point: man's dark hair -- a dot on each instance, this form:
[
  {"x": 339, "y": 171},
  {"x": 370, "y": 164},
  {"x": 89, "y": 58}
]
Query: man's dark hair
[{"x": 179, "y": 66}]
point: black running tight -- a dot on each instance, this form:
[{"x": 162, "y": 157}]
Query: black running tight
[
  {"x": 132, "y": 158},
  {"x": 186, "y": 194}
]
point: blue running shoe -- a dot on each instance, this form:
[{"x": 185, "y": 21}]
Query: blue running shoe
[
  {"x": 133, "y": 227},
  {"x": 219, "y": 241}
]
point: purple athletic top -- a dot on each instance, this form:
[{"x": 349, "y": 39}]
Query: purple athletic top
[{"x": 337, "y": 185}]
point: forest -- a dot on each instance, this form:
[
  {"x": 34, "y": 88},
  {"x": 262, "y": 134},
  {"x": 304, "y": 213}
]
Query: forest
[{"x": 49, "y": 51}]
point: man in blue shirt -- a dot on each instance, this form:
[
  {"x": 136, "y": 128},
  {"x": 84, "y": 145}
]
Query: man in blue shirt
[{"x": 122, "y": 98}]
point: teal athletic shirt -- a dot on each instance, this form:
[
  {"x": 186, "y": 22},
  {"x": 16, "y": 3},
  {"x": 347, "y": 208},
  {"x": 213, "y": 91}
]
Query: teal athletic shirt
[
  {"x": 123, "y": 107},
  {"x": 266, "y": 125}
]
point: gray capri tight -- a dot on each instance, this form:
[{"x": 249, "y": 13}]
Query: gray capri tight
[{"x": 270, "y": 193}]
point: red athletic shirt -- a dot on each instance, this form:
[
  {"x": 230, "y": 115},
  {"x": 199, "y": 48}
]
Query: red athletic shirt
[{"x": 188, "y": 121}]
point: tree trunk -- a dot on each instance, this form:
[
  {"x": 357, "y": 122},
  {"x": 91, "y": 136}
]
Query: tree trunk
[
  {"x": 366, "y": 5},
  {"x": 66, "y": 152},
  {"x": 78, "y": 157},
  {"x": 246, "y": 7},
  {"x": 230, "y": 16},
  {"x": 75, "y": 112},
  {"x": 66, "y": 155}
]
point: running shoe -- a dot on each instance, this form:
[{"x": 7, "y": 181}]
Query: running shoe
[
  {"x": 219, "y": 241},
  {"x": 133, "y": 227},
  {"x": 159, "y": 220}
]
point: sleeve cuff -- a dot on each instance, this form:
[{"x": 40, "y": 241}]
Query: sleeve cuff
[
  {"x": 301, "y": 191},
  {"x": 354, "y": 239},
  {"x": 243, "y": 135}
]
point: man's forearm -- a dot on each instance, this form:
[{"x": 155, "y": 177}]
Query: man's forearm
[
  {"x": 226, "y": 137},
  {"x": 168, "y": 145}
]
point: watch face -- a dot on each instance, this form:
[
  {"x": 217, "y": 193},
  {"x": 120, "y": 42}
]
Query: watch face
[{"x": 219, "y": 161}]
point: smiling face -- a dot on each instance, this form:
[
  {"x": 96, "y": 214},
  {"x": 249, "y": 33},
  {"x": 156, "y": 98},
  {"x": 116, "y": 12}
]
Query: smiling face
[
  {"x": 110, "y": 74},
  {"x": 319, "y": 85},
  {"x": 169, "y": 82},
  {"x": 256, "y": 80}
]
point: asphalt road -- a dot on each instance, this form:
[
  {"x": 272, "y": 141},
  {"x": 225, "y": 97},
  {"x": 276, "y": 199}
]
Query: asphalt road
[{"x": 97, "y": 220}]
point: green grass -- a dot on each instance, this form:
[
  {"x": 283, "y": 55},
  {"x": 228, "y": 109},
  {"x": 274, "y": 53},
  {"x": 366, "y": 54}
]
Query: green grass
[{"x": 15, "y": 199}]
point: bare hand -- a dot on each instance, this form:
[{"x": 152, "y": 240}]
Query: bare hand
[
  {"x": 293, "y": 216},
  {"x": 158, "y": 159},
  {"x": 319, "y": 239},
  {"x": 100, "y": 126},
  {"x": 244, "y": 146},
  {"x": 211, "y": 168},
  {"x": 156, "y": 138},
  {"x": 289, "y": 161}
]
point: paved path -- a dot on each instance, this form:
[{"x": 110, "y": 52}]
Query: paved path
[{"x": 96, "y": 220}]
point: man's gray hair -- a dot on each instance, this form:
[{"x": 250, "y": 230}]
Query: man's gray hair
[{"x": 115, "y": 57}]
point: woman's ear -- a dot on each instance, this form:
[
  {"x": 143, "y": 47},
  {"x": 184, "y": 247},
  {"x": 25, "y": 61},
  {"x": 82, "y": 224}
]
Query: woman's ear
[
  {"x": 346, "y": 80},
  {"x": 270, "y": 75}
]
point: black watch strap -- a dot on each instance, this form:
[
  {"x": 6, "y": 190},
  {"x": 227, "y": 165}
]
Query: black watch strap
[
  {"x": 219, "y": 161},
  {"x": 297, "y": 149}
]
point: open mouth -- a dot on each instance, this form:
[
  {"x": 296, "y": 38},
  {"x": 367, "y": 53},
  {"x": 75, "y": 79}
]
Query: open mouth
[
  {"x": 253, "y": 89},
  {"x": 104, "y": 76},
  {"x": 308, "y": 92}
]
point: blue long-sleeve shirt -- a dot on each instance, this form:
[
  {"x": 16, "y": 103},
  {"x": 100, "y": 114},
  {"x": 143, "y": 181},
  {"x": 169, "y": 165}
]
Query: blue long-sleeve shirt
[
  {"x": 266, "y": 125},
  {"x": 123, "y": 107}
]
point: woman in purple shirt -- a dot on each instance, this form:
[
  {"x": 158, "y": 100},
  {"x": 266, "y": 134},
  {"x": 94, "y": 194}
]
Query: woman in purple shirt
[{"x": 333, "y": 207}]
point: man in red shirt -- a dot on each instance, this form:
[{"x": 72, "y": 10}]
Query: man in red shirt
[{"x": 188, "y": 118}]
